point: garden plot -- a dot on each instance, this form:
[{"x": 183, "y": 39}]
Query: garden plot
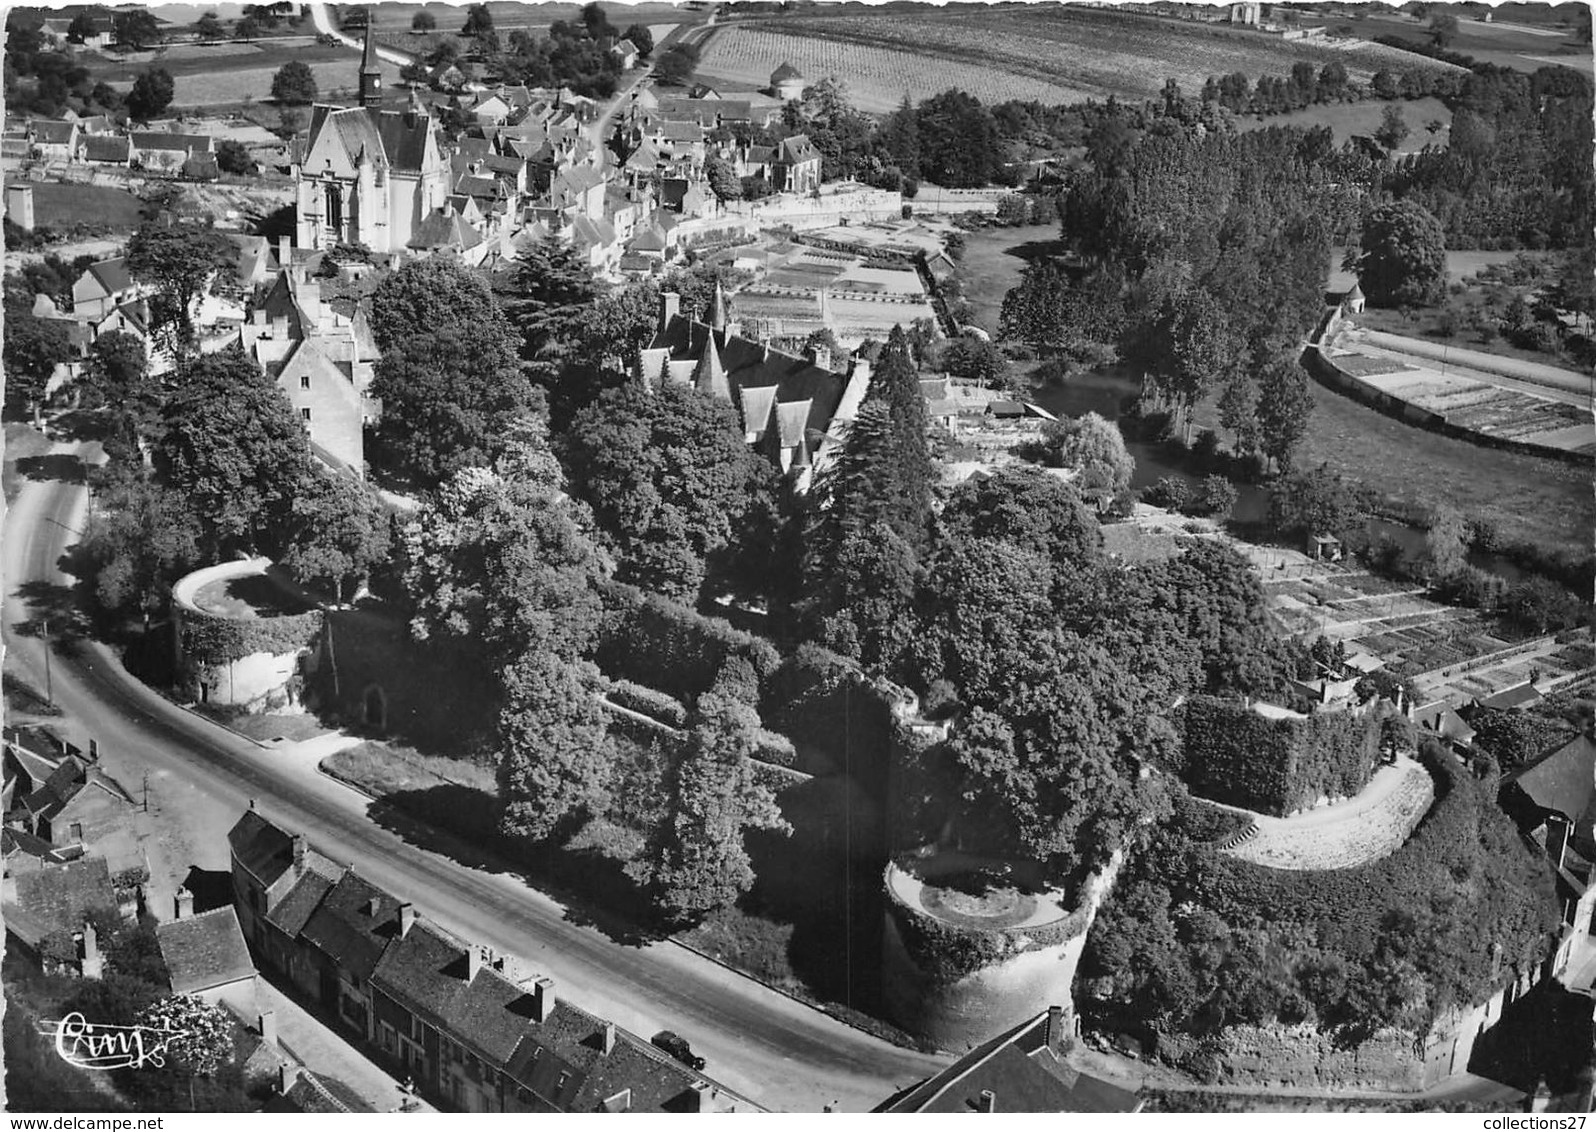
[{"x": 1348, "y": 833}]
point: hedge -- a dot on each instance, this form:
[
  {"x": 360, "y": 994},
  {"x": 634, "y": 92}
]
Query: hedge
[
  {"x": 217, "y": 640},
  {"x": 1276, "y": 766},
  {"x": 651, "y": 640},
  {"x": 824, "y": 701},
  {"x": 647, "y": 701}
]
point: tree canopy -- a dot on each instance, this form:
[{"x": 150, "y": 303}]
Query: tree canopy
[
  {"x": 1403, "y": 261},
  {"x": 294, "y": 84},
  {"x": 151, "y": 94}
]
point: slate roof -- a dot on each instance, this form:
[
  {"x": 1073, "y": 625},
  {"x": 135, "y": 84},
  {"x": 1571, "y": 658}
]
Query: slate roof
[
  {"x": 1565, "y": 780},
  {"x": 48, "y": 131},
  {"x": 204, "y": 951},
  {"x": 1521, "y": 696},
  {"x": 295, "y": 908},
  {"x": 107, "y": 148},
  {"x": 60, "y": 895},
  {"x": 395, "y": 136},
  {"x": 425, "y": 970},
  {"x": 353, "y": 924},
  {"x": 261, "y": 847},
  {"x": 783, "y": 73},
  {"x": 797, "y": 149},
  {"x": 111, "y": 274},
  {"x": 445, "y": 228},
  {"x": 749, "y": 364},
  {"x": 682, "y": 132},
  {"x": 1023, "y": 1073},
  {"x": 491, "y": 1015},
  {"x": 185, "y": 143}
]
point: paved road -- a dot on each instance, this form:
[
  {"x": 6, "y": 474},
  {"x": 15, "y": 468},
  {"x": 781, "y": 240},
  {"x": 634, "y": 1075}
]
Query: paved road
[
  {"x": 324, "y": 26},
  {"x": 783, "y": 1054},
  {"x": 1526, "y": 376}
]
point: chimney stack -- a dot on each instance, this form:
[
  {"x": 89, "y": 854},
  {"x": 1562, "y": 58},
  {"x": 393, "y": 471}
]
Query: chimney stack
[
  {"x": 285, "y": 256},
  {"x": 184, "y": 901},
  {"x": 542, "y": 999},
  {"x": 267, "y": 1025},
  {"x": 473, "y": 962},
  {"x": 821, "y": 355},
  {"x": 407, "y": 919},
  {"x": 93, "y": 965},
  {"x": 1055, "y": 1027},
  {"x": 696, "y": 1092},
  {"x": 300, "y": 846},
  {"x": 988, "y": 1101},
  {"x": 286, "y": 1076},
  {"x": 607, "y": 1038},
  {"x": 94, "y": 750},
  {"x": 670, "y": 305}
]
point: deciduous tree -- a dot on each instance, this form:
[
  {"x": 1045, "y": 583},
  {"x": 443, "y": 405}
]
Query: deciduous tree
[
  {"x": 151, "y": 94},
  {"x": 294, "y": 84},
  {"x": 1403, "y": 261},
  {"x": 555, "y": 765},
  {"x": 179, "y": 259}
]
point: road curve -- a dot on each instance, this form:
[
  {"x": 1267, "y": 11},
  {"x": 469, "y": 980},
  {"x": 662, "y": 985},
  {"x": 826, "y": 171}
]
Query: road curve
[
  {"x": 783, "y": 1054},
  {"x": 324, "y": 26}
]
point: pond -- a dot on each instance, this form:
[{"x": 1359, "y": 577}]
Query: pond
[{"x": 1106, "y": 392}]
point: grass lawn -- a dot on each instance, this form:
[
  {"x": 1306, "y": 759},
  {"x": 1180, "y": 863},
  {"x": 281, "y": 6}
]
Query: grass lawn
[
  {"x": 1529, "y": 499},
  {"x": 61, "y": 206},
  {"x": 383, "y": 769},
  {"x": 1349, "y": 118},
  {"x": 265, "y": 727},
  {"x": 992, "y": 263}
]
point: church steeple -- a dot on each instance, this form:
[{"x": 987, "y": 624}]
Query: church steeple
[{"x": 370, "y": 73}]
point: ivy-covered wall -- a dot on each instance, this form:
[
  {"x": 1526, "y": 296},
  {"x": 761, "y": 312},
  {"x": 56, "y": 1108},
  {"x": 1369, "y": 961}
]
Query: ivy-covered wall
[
  {"x": 1275, "y": 766},
  {"x": 660, "y": 644},
  {"x": 207, "y": 641}
]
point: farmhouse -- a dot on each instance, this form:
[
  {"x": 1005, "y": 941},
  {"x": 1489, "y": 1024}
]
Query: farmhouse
[
  {"x": 50, "y": 140},
  {"x": 626, "y": 51},
  {"x": 103, "y": 287},
  {"x": 168, "y": 153}
]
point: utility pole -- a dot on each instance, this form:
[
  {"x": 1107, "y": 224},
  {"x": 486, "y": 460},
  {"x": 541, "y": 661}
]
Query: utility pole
[
  {"x": 146, "y": 791},
  {"x": 49, "y": 688}
]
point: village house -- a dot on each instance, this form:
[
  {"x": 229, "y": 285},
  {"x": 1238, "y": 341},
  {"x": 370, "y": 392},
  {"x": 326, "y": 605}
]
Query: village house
[
  {"x": 47, "y": 910},
  {"x": 474, "y": 1031},
  {"x": 1021, "y": 1070},
  {"x": 52, "y": 140},
  {"x": 322, "y": 360},
  {"x": 102, "y": 287},
  {"x": 106, "y": 149},
  {"x": 796, "y": 167},
  {"x": 205, "y": 956},
  {"x": 626, "y": 51},
  {"x": 168, "y": 153}
]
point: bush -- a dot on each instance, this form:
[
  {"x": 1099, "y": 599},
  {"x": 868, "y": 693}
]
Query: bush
[
  {"x": 1170, "y": 492},
  {"x": 646, "y": 701}
]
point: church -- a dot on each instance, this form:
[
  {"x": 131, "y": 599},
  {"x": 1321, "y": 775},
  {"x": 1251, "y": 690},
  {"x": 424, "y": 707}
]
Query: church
[{"x": 368, "y": 176}]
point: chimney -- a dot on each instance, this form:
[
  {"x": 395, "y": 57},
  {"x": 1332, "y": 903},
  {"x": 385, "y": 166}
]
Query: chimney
[
  {"x": 407, "y": 919},
  {"x": 1055, "y": 1027},
  {"x": 184, "y": 901},
  {"x": 607, "y": 1038},
  {"x": 267, "y": 1024},
  {"x": 286, "y": 1076},
  {"x": 696, "y": 1092},
  {"x": 258, "y": 316},
  {"x": 284, "y": 255},
  {"x": 1557, "y": 830},
  {"x": 473, "y": 962},
  {"x": 670, "y": 305},
  {"x": 93, "y": 964},
  {"x": 987, "y": 1101},
  {"x": 94, "y": 750},
  {"x": 542, "y": 999},
  {"x": 821, "y": 355},
  {"x": 300, "y": 845}
]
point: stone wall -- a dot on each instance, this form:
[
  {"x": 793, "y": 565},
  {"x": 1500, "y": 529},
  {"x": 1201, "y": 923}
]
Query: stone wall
[{"x": 1300, "y": 1057}]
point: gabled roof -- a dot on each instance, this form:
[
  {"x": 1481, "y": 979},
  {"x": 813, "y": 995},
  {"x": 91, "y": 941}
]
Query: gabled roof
[
  {"x": 798, "y": 148},
  {"x": 424, "y": 970},
  {"x": 261, "y": 847},
  {"x": 290, "y": 913},
  {"x": 109, "y": 147},
  {"x": 111, "y": 274},
  {"x": 1022, "y": 1072},
  {"x": 1523, "y": 695},
  {"x": 353, "y": 924},
  {"x": 60, "y": 895},
  {"x": 52, "y": 132},
  {"x": 184, "y": 143},
  {"x": 445, "y": 228},
  {"x": 784, "y": 72},
  {"x": 682, "y": 132},
  {"x": 204, "y": 951},
  {"x": 1564, "y": 781},
  {"x": 491, "y": 1015}
]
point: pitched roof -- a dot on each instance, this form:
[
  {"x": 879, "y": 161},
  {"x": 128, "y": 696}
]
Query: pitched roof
[
  {"x": 491, "y": 1015},
  {"x": 294, "y": 909},
  {"x": 798, "y": 148},
  {"x": 60, "y": 895},
  {"x": 152, "y": 140},
  {"x": 1022, "y": 1072},
  {"x": 1521, "y": 696},
  {"x": 52, "y": 132},
  {"x": 111, "y": 274},
  {"x": 424, "y": 970},
  {"x": 261, "y": 847},
  {"x": 204, "y": 951},
  {"x": 784, "y": 72},
  {"x": 682, "y": 132},
  {"x": 353, "y": 924},
  {"x": 445, "y": 228},
  {"x": 107, "y": 148},
  {"x": 1565, "y": 780}
]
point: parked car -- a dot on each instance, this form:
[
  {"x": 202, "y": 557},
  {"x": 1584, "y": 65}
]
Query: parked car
[{"x": 677, "y": 1047}]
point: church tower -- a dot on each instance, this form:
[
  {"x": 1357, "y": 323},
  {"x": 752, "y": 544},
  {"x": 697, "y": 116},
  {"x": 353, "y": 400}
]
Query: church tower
[{"x": 370, "y": 73}]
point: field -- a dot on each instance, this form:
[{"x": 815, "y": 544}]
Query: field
[
  {"x": 992, "y": 263},
  {"x": 1349, "y": 118},
  {"x": 1513, "y": 45},
  {"x": 231, "y": 73},
  {"x": 61, "y": 206},
  {"x": 1076, "y": 53}
]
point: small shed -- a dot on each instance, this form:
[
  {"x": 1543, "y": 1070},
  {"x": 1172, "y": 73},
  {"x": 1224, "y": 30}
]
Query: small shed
[{"x": 1324, "y": 548}]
